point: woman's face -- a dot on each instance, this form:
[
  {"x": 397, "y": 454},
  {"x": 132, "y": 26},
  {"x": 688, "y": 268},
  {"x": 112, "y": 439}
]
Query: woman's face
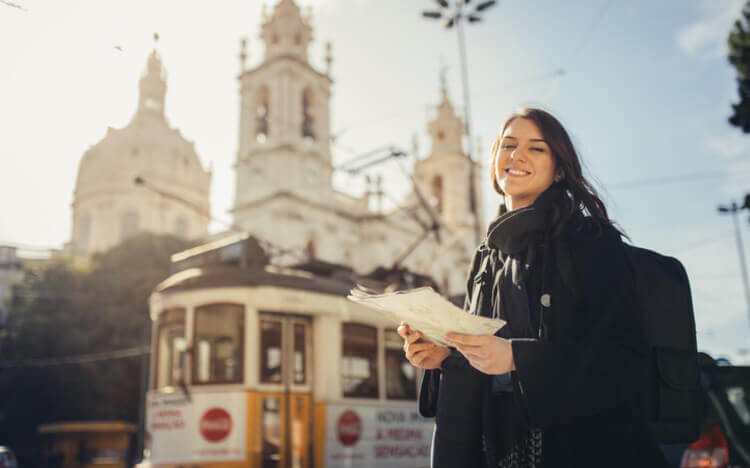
[{"x": 524, "y": 165}]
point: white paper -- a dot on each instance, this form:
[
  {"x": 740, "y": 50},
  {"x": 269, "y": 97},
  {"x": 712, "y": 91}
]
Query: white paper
[{"x": 427, "y": 311}]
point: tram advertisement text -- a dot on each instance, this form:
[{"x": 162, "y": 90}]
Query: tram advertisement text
[
  {"x": 375, "y": 436},
  {"x": 202, "y": 428}
]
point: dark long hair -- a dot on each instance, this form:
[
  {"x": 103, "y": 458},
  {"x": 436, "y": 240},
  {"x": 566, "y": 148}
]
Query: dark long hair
[{"x": 581, "y": 198}]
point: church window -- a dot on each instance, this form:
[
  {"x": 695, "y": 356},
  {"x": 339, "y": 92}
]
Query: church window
[
  {"x": 437, "y": 192},
  {"x": 181, "y": 227},
  {"x": 261, "y": 114},
  {"x": 84, "y": 233},
  {"x": 128, "y": 224},
  {"x": 308, "y": 115}
]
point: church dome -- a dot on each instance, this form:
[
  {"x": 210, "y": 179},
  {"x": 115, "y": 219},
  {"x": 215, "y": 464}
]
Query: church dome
[
  {"x": 174, "y": 189},
  {"x": 146, "y": 146}
]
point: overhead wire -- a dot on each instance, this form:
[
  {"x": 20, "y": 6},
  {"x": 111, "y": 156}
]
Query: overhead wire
[
  {"x": 34, "y": 248},
  {"x": 587, "y": 34},
  {"x": 701, "y": 243},
  {"x": 137, "y": 351},
  {"x": 671, "y": 179}
]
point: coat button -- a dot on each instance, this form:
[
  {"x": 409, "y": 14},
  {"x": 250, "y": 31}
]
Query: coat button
[{"x": 546, "y": 300}]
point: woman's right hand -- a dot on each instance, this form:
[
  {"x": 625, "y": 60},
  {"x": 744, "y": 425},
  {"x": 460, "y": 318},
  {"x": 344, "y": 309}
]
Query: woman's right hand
[{"x": 420, "y": 352}]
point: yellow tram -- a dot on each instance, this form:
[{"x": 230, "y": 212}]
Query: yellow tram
[{"x": 257, "y": 365}]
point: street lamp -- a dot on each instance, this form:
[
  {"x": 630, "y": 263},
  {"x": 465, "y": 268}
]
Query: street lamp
[
  {"x": 454, "y": 13},
  {"x": 734, "y": 209}
]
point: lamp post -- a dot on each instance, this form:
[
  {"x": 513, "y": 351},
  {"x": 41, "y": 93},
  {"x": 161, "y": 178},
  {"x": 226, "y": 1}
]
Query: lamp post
[
  {"x": 454, "y": 13},
  {"x": 734, "y": 209}
]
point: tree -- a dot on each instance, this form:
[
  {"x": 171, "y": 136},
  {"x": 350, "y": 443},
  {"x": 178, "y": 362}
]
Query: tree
[
  {"x": 63, "y": 310},
  {"x": 739, "y": 57}
]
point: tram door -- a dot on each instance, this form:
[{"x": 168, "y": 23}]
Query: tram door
[{"x": 285, "y": 384}]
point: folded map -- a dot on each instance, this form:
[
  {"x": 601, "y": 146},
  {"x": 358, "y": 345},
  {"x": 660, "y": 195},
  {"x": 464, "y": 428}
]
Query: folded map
[{"x": 425, "y": 310}]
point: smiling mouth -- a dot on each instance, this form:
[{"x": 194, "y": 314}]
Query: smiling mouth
[{"x": 516, "y": 172}]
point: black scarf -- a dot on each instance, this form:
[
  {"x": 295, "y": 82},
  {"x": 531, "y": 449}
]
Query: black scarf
[
  {"x": 522, "y": 248},
  {"x": 517, "y": 239}
]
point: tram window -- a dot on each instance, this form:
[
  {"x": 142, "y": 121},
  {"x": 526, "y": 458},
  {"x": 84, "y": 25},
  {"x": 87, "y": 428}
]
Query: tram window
[
  {"x": 400, "y": 376},
  {"x": 171, "y": 345},
  {"x": 359, "y": 371},
  {"x": 270, "y": 351},
  {"x": 218, "y": 338},
  {"x": 300, "y": 358}
]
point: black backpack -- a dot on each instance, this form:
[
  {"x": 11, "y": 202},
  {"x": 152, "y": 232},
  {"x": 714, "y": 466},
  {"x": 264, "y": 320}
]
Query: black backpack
[{"x": 672, "y": 395}]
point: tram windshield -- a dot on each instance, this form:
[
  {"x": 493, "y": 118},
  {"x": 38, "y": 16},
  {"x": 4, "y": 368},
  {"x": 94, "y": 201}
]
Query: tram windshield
[{"x": 219, "y": 346}]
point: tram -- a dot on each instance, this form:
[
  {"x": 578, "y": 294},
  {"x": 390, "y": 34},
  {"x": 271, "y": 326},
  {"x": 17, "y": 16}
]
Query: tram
[{"x": 258, "y": 365}]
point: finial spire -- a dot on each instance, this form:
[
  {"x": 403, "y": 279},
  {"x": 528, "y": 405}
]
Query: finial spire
[
  {"x": 329, "y": 58},
  {"x": 243, "y": 53},
  {"x": 153, "y": 86},
  {"x": 443, "y": 79}
]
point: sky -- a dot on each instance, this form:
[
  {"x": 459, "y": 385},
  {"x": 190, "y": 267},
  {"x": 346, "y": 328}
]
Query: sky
[{"x": 643, "y": 87}]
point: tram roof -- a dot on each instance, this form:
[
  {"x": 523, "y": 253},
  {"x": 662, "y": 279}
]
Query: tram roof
[
  {"x": 218, "y": 276},
  {"x": 239, "y": 260}
]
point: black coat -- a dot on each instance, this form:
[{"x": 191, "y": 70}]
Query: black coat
[{"x": 580, "y": 385}]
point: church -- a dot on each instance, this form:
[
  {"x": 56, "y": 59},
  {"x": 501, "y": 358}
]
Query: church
[
  {"x": 284, "y": 194},
  {"x": 109, "y": 204}
]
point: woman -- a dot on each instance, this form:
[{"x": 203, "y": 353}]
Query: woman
[{"x": 557, "y": 385}]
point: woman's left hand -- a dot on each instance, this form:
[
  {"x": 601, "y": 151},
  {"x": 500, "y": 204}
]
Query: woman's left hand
[{"x": 487, "y": 353}]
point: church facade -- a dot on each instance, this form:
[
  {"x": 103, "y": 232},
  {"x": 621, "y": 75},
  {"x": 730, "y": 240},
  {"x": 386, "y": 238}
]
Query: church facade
[{"x": 284, "y": 193}]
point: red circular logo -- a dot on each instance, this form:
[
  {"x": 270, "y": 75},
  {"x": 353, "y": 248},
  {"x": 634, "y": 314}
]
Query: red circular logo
[
  {"x": 215, "y": 425},
  {"x": 349, "y": 428}
]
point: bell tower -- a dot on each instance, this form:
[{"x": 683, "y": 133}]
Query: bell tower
[
  {"x": 444, "y": 175},
  {"x": 284, "y": 129}
]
